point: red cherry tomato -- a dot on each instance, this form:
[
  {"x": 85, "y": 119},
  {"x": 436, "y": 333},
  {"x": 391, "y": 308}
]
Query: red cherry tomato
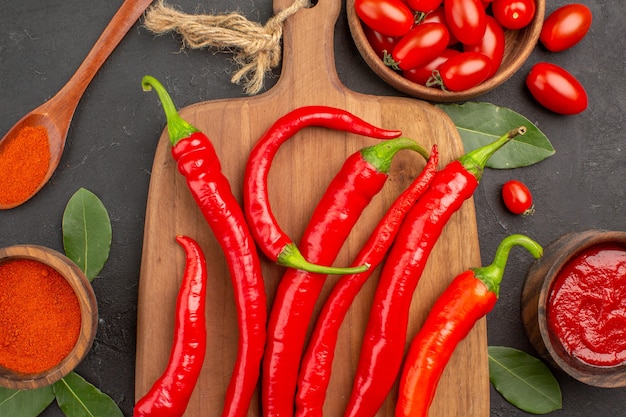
[
  {"x": 517, "y": 197},
  {"x": 466, "y": 19},
  {"x": 380, "y": 43},
  {"x": 565, "y": 27},
  {"x": 422, "y": 74},
  {"x": 421, "y": 45},
  {"x": 514, "y": 14},
  {"x": 556, "y": 89},
  {"x": 439, "y": 16},
  {"x": 424, "y": 6},
  {"x": 491, "y": 45},
  {"x": 389, "y": 17},
  {"x": 462, "y": 72}
]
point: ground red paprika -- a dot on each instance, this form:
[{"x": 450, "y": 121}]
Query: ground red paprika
[
  {"x": 24, "y": 160},
  {"x": 40, "y": 316}
]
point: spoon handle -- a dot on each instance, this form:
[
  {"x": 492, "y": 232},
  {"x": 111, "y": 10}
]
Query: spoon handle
[{"x": 120, "y": 24}]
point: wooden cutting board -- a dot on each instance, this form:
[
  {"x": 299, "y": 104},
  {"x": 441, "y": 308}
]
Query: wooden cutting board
[{"x": 302, "y": 169}]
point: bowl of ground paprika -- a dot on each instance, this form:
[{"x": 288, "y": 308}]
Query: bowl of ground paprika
[
  {"x": 48, "y": 316},
  {"x": 574, "y": 306}
]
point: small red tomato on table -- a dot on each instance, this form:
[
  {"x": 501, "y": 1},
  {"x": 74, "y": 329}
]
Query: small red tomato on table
[
  {"x": 565, "y": 27},
  {"x": 517, "y": 197},
  {"x": 556, "y": 89}
]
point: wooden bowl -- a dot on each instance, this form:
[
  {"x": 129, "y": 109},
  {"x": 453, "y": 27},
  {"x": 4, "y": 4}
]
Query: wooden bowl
[
  {"x": 88, "y": 310},
  {"x": 535, "y": 296},
  {"x": 518, "y": 46}
]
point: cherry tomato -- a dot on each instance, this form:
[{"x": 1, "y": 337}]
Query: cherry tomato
[
  {"x": 424, "y": 6},
  {"x": 466, "y": 19},
  {"x": 380, "y": 43},
  {"x": 422, "y": 74},
  {"x": 439, "y": 16},
  {"x": 565, "y": 27},
  {"x": 491, "y": 45},
  {"x": 463, "y": 71},
  {"x": 514, "y": 14},
  {"x": 421, "y": 45},
  {"x": 389, "y": 17},
  {"x": 556, "y": 89},
  {"x": 517, "y": 197}
]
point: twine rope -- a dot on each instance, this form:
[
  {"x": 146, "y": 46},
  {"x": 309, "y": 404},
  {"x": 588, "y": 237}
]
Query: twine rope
[{"x": 256, "y": 48}]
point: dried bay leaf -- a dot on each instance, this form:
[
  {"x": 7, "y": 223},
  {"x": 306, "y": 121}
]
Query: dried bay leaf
[
  {"x": 78, "y": 398},
  {"x": 87, "y": 232},
  {"x": 25, "y": 402},
  {"x": 482, "y": 123},
  {"x": 523, "y": 380}
]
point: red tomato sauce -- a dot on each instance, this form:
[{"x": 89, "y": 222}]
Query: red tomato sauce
[{"x": 587, "y": 306}]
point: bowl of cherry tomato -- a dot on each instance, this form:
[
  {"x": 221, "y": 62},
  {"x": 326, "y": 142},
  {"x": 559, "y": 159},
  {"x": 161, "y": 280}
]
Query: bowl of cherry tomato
[{"x": 445, "y": 50}]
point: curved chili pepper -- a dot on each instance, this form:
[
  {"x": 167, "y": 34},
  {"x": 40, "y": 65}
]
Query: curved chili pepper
[
  {"x": 469, "y": 297},
  {"x": 385, "y": 334},
  {"x": 316, "y": 366},
  {"x": 272, "y": 240},
  {"x": 361, "y": 177},
  {"x": 199, "y": 164},
  {"x": 169, "y": 395}
]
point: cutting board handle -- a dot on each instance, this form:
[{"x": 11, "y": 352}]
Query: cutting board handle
[{"x": 308, "y": 47}]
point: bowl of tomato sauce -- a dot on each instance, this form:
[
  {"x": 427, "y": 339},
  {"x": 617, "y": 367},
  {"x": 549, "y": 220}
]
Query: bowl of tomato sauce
[
  {"x": 574, "y": 306},
  {"x": 393, "y": 35}
]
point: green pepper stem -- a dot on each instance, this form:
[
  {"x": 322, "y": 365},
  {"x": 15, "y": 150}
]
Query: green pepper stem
[
  {"x": 292, "y": 258},
  {"x": 381, "y": 155},
  {"x": 475, "y": 161},
  {"x": 177, "y": 127},
  {"x": 491, "y": 275}
]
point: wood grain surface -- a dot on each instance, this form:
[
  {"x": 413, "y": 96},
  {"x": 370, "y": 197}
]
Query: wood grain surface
[{"x": 303, "y": 168}]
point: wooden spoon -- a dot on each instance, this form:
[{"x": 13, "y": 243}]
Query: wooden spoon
[{"x": 56, "y": 114}]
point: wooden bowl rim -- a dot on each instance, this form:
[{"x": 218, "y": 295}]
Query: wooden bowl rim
[
  {"x": 89, "y": 315},
  {"x": 435, "y": 94},
  {"x": 544, "y": 271}
]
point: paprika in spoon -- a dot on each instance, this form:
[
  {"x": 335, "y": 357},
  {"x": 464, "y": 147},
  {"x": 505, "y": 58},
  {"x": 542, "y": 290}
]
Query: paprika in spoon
[{"x": 52, "y": 119}]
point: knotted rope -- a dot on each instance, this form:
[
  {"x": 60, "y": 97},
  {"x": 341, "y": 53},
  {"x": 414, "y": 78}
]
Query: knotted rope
[{"x": 256, "y": 48}]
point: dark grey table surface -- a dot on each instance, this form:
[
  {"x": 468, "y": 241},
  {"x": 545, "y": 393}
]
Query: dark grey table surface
[{"x": 114, "y": 132}]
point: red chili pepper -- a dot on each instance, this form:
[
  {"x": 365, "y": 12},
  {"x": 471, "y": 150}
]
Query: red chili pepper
[
  {"x": 199, "y": 164},
  {"x": 385, "y": 335},
  {"x": 272, "y": 240},
  {"x": 361, "y": 177},
  {"x": 169, "y": 396},
  {"x": 316, "y": 365},
  {"x": 469, "y": 297}
]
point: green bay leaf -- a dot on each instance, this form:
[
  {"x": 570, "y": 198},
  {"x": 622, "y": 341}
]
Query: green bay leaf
[
  {"x": 86, "y": 232},
  {"x": 78, "y": 398},
  {"x": 482, "y": 123},
  {"x": 23, "y": 402},
  {"x": 523, "y": 380}
]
